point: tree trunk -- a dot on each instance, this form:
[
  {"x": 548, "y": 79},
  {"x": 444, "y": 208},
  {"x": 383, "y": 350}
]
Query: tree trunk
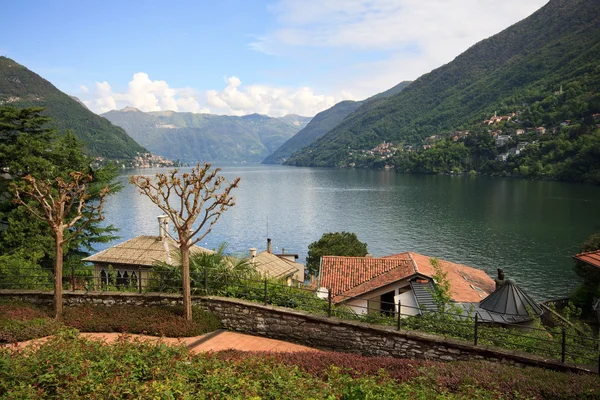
[
  {"x": 58, "y": 272},
  {"x": 185, "y": 277}
]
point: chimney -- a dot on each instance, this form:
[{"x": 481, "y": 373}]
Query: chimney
[
  {"x": 252, "y": 255},
  {"x": 283, "y": 250},
  {"x": 500, "y": 280},
  {"x": 163, "y": 226},
  {"x": 269, "y": 245}
]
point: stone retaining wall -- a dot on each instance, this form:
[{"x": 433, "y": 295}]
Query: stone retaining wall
[{"x": 311, "y": 330}]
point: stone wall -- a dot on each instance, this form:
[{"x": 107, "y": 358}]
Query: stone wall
[{"x": 311, "y": 330}]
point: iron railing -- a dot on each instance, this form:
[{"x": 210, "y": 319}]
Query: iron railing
[{"x": 559, "y": 342}]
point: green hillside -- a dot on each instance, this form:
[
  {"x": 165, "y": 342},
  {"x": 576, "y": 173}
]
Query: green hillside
[
  {"x": 205, "y": 137},
  {"x": 20, "y": 87},
  {"x": 524, "y": 64},
  {"x": 323, "y": 122}
]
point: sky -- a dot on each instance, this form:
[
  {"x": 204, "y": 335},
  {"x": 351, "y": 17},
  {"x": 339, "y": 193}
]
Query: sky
[{"x": 239, "y": 57}]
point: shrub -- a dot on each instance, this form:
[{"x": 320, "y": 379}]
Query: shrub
[
  {"x": 22, "y": 321},
  {"x": 163, "y": 321},
  {"x": 69, "y": 366}
]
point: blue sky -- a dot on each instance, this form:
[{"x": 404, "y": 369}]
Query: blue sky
[{"x": 238, "y": 57}]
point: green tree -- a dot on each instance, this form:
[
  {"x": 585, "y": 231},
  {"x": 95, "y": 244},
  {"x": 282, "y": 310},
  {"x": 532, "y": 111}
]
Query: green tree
[
  {"x": 334, "y": 244},
  {"x": 590, "y": 276},
  {"x": 28, "y": 146}
]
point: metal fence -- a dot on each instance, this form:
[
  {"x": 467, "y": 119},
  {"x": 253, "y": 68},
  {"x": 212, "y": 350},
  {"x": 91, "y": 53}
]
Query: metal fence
[{"x": 558, "y": 342}]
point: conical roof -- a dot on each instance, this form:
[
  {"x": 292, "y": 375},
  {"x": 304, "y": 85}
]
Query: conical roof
[{"x": 509, "y": 299}]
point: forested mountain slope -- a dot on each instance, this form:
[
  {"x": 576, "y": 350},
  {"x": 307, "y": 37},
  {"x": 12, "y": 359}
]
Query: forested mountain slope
[
  {"x": 557, "y": 45},
  {"x": 323, "y": 122},
  {"x": 192, "y": 137},
  {"x": 20, "y": 87}
]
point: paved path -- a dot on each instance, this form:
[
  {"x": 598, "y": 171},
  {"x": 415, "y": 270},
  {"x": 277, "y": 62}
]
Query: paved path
[{"x": 214, "y": 341}]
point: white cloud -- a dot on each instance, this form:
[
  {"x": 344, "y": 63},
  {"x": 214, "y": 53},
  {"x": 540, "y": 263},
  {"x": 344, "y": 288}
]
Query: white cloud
[
  {"x": 84, "y": 89},
  {"x": 145, "y": 95},
  {"x": 395, "y": 40},
  {"x": 236, "y": 99}
]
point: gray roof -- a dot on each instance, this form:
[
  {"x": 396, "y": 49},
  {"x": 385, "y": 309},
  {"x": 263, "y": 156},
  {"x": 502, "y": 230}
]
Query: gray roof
[
  {"x": 423, "y": 295},
  {"x": 509, "y": 300},
  {"x": 143, "y": 251},
  {"x": 277, "y": 267}
]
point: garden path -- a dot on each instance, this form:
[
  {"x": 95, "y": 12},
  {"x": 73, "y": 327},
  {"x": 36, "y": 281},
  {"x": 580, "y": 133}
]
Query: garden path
[{"x": 214, "y": 341}]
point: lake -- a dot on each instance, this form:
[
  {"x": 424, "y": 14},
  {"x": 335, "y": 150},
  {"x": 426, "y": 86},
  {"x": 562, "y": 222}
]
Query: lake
[{"x": 529, "y": 228}]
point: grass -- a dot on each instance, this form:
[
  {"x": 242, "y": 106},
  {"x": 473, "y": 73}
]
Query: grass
[
  {"x": 70, "y": 366},
  {"x": 23, "y": 321}
]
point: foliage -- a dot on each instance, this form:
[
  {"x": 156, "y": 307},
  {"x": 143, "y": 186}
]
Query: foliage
[
  {"x": 441, "y": 290},
  {"x": 25, "y": 88},
  {"x": 217, "y": 269},
  {"x": 30, "y": 147},
  {"x": 589, "y": 288},
  {"x": 71, "y": 366},
  {"x": 322, "y": 123},
  {"x": 519, "y": 69},
  {"x": 334, "y": 244},
  {"x": 22, "y": 321}
]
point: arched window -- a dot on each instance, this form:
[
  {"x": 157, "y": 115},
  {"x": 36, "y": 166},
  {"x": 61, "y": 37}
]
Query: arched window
[
  {"x": 103, "y": 277},
  {"x": 120, "y": 280},
  {"x": 126, "y": 278},
  {"x": 134, "y": 279}
]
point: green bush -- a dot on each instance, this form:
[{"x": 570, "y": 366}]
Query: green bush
[
  {"x": 21, "y": 321},
  {"x": 69, "y": 366}
]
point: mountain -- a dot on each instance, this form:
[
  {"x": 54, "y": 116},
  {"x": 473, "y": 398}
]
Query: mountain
[
  {"x": 295, "y": 120},
  {"x": 323, "y": 122},
  {"x": 20, "y": 87},
  {"x": 206, "y": 137},
  {"x": 557, "y": 45}
]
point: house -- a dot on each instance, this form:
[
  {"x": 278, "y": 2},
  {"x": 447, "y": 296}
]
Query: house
[
  {"x": 540, "y": 130},
  {"x": 375, "y": 285},
  {"x": 502, "y": 140},
  {"x": 591, "y": 258},
  {"x": 279, "y": 266},
  {"x": 131, "y": 261}
]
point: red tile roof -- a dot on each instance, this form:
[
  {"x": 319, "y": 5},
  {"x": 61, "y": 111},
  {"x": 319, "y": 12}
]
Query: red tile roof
[
  {"x": 467, "y": 284},
  {"x": 591, "y": 257},
  {"x": 355, "y": 276}
]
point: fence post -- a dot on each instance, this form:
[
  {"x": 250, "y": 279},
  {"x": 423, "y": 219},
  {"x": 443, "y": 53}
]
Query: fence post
[
  {"x": 205, "y": 282},
  {"x": 476, "y": 330},
  {"x": 399, "y": 313},
  {"x": 140, "y": 279},
  {"x": 266, "y": 294},
  {"x": 72, "y": 278},
  {"x": 329, "y": 302},
  {"x": 564, "y": 344}
]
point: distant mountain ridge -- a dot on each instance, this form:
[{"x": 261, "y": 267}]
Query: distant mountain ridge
[
  {"x": 20, "y": 87},
  {"x": 192, "y": 137},
  {"x": 323, "y": 122},
  {"x": 555, "y": 45}
]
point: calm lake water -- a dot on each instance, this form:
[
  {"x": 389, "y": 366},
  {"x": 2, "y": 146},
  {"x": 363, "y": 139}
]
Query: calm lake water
[{"x": 531, "y": 229}]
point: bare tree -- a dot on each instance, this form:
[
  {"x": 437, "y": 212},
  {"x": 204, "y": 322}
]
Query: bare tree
[
  {"x": 66, "y": 206},
  {"x": 200, "y": 195}
]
